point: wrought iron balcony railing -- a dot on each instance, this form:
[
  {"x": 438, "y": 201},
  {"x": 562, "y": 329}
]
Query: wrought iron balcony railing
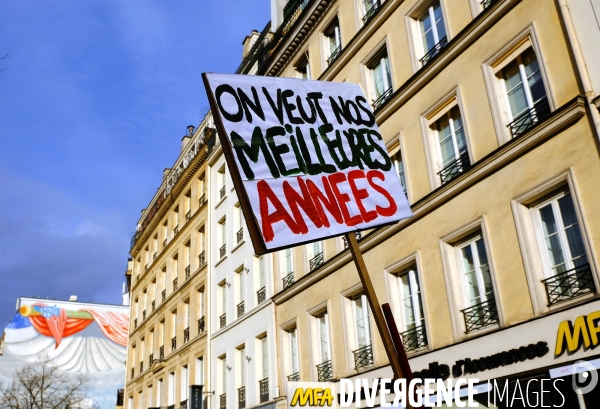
[
  {"x": 295, "y": 377},
  {"x": 324, "y": 371},
  {"x": 201, "y": 325},
  {"x": 570, "y": 284},
  {"x": 334, "y": 55},
  {"x": 186, "y": 335},
  {"x": 222, "y": 193},
  {"x": 223, "y": 320},
  {"x": 486, "y": 3},
  {"x": 161, "y": 353},
  {"x": 414, "y": 339},
  {"x": 173, "y": 343},
  {"x": 241, "y": 309},
  {"x": 143, "y": 315},
  {"x": 183, "y": 404},
  {"x": 202, "y": 259},
  {"x": 141, "y": 366},
  {"x": 371, "y": 12},
  {"x": 358, "y": 236},
  {"x": 530, "y": 118},
  {"x": 382, "y": 98},
  {"x": 171, "y": 406},
  {"x": 454, "y": 168},
  {"x": 187, "y": 272},
  {"x": 222, "y": 401},
  {"x": 480, "y": 316},
  {"x": 222, "y": 250},
  {"x": 242, "y": 397},
  {"x": 176, "y": 230},
  {"x": 316, "y": 261},
  {"x": 261, "y": 295},
  {"x": 165, "y": 243},
  {"x": 288, "y": 280},
  {"x": 435, "y": 50},
  {"x": 164, "y": 295},
  {"x": 150, "y": 359},
  {"x": 175, "y": 284},
  {"x": 153, "y": 305},
  {"x": 188, "y": 215},
  {"x": 263, "y": 386},
  {"x": 363, "y": 357},
  {"x": 240, "y": 235},
  {"x": 202, "y": 200}
]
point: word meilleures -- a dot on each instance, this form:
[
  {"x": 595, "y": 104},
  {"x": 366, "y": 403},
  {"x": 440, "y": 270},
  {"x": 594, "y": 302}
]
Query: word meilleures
[{"x": 358, "y": 159}]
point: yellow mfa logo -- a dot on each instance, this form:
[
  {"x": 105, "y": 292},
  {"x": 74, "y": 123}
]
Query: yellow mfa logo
[{"x": 312, "y": 397}]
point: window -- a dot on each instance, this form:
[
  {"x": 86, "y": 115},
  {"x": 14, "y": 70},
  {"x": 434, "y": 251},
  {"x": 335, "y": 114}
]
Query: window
[
  {"x": 222, "y": 238},
  {"x": 399, "y": 165},
  {"x": 174, "y": 330},
  {"x": 333, "y": 41},
  {"x": 432, "y": 31},
  {"x": 187, "y": 255},
  {"x": 303, "y": 68},
  {"x": 524, "y": 91},
  {"x": 264, "y": 348},
  {"x": 188, "y": 205},
  {"x": 223, "y": 309},
  {"x": 294, "y": 363},
  {"x": 176, "y": 221},
  {"x": 171, "y": 391},
  {"x": 175, "y": 272},
  {"x": 221, "y": 182},
  {"x": 159, "y": 389},
  {"x": 241, "y": 293},
  {"x": 381, "y": 77},
  {"x": 370, "y": 7},
  {"x": 242, "y": 355},
  {"x": 165, "y": 234},
  {"x": 315, "y": 255},
  {"x": 361, "y": 321},
  {"x": 238, "y": 223},
  {"x": 452, "y": 145},
  {"x": 200, "y": 371},
  {"x": 223, "y": 375},
  {"x": 323, "y": 328},
  {"x": 413, "y": 319},
  {"x": 185, "y": 382}
]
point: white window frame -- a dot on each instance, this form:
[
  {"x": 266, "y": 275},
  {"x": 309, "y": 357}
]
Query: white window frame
[
  {"x": 293, "y": 346},
  {"x": 365, "y": 316},
  {"x": 324, "y": 356},
  {"x": 413, "y": 28},
  {"x": 337, "y": 36},
  {"x": 199, "y": 371},
  {"x": 471, "y": 242},
  {"x": 303, "y": 62}
]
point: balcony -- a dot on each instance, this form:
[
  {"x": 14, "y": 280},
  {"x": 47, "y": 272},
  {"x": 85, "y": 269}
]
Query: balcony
[
  {"x": 295, "y": 377},
  {"x": 288, "y": 280},
  {"x": 187, "y": 272},
  {"x": 240, "y": 235},
  {"x": 201, "y": 322},
  {"x": 571, "y": 284},
  {"x": 222, "y": 193},
  {"x": 486, "y": 3},
  {"x": 382, "y": 98},
  {"x": 143, "y": 315},
  {"x": 186, "y": 335},
  {"x": 153, "y": 305},
  {"x": 529, "y": 118},
  {"x": 202, "y": 200},
  {"x": 175, "y": 230},
  {"x": 358, "y": 236},
  {"x": 175, "y": 284},
  {"x": 188, "y": 215},
  {"x": 161, "y": 353},
  {"x": 150, "y": 359},
  {"x": 174, "y": 343},
  {"x": 222, "y": 250},
  {"x": 371, "y": 12},
  {"x": 263, "y": 386},
  {"x": 141, "y": 366},
  {"x": 164, "y": 295},
  {"x": 223, "y": 320},
  {"x": 435, "y": 50},
  {"x": 334, "y": 55},
  {"x": 325, "y": 371},
  {"x": 241, "y": 309},
  {"x": 242, "y": 397},
  {"x": 183, "y": 404},
  {"x": 316, "y": 261},
  {"x": 363, "y": 357},
  {"x": 480, "y": 316},
  {"x": 454, "y": 168},
  {"x": 414, "y": 339},
  {"x": 135, "y": 323},
  {"x": 202, "y": 259},
  {"x": 223, "y": 401},
  {"x": 261, "y": 295}
]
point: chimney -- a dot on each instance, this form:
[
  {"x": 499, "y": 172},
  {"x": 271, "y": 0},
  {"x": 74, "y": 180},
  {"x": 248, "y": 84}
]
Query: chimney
[
  {"x": 249, "y": 42},
  {"x": 187, "y": 138}
]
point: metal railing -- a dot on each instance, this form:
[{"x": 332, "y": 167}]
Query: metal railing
[
  {"x": 174, "y": 343},
  {"x": 414, "y": 339},
  {"x": 202, "y": 259},
  {"x": 187, "y": 272},
  {"x": 316, "y": 261},
  {"x": 261, "y": 295},
  {"x": 143, "y": 315},
  {"x": 486, "y": 3},
  {"x": 176, "y": 230},
  {"x": 175, "y": 284},
  {"x": 570, "y": 284},
  {"x": 371, "y": 12},
  {"x": 164, "y": 295},
  {"x": 150, "y": 359},
  {"x": 202, "y": 200},
  {"x": 188, "y": 215},
  {"x": 530, "y": 118},
  {"x": 201, "y": 325},
  {"x": 295, "y": 377},
  {"x": 382, "y": 98},
  {"x": 454, "y": 168},
  {"x": 165, "y": 243},
  {"x": 186, "y": 335},
  {"x": 161, "y": 352},
  {"x": 435, "y": 50},
  {"x": 183, "y": 404},
  {"x": 363, "y": 357},
  {"x": 223, "y": 401},
  {"x": 324, "y": 371},
  {"x": 242, "y": 397},
  {"x": 334, "y": 55},
  {"x": 222, "y": 250},
  {"x": 288, "y": 280},
  {"x": 223, "y": 320},
  {"x": 358, "y": 236},
  {"x": 171, "y": 406},
  {"x": 263, "y": 386},
  {"x": 480, "y": 316},
  {"x": 240, "y": 235},
  {"x": 241, "y": 309},
  {"x": 153, "y": 305},
  {"x": 222, "y": 193}
]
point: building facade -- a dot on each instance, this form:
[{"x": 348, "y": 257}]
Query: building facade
[{"x": 488, "y": 109}]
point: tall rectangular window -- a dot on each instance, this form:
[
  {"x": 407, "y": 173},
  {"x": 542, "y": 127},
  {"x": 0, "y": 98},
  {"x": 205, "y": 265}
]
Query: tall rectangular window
[
  {"x": 159, "y": 391},
  {"x": 323, "y": 328},
  {"x": 382, "y": 78},
  {"x": 476, "y": 271},
  {"x": 261, "y": 272},
  {"x": 171, "y": 391},
  {"x": 410, "y": 292},
  {"x": 334, "y": 41},
  {"x": 200, "y": 371},
  {"x": 242, "y": 366},
  {"x": 303, "y": 68},
  {"x": 265, "y": 357},
  {"x": 431, "y": 25},
  {"x": 361, "y": 321},
  {"x": 223, "y": 375},
  {"x": 399, "y": 165},
  {"x": 294, "y": 364},
  {"x": 184, "y": 383},
  {"x": 451, "y": 136}
]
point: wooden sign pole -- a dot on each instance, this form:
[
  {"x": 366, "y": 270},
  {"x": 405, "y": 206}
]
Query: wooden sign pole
[{"x": 394, "y": 350}]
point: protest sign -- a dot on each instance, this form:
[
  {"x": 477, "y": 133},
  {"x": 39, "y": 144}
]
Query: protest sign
[{"x": 306, "y": 158}]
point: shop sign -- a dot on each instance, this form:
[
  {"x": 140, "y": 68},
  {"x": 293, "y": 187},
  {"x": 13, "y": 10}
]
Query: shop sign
[
  {"x": 311, "y": 395},
  {"x": 582, "y": 332}
]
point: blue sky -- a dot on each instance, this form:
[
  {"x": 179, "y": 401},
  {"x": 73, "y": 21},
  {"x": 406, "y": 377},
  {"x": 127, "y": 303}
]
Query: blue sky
[{"x": 93, "y": 105}]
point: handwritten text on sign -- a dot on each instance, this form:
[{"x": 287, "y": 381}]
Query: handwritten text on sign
[{"x": 310, "y": 156}]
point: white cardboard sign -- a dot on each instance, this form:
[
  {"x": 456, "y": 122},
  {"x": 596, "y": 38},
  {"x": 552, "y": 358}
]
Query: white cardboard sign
[{"x": 308, "y": 155}]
